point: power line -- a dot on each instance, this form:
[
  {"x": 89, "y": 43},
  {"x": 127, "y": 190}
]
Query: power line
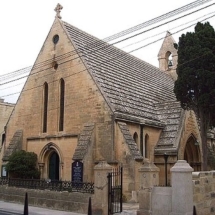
[
  {"x": 172, "y": 33},
  {"x": 163, "y": 24},
  {"x": 116, "y": 57},
  {"x": 108, "y": 45},
  {"x": 125, "y": 53},
  {"x": 15, "y": 73},
  {"x": 169, "y": 30},
  {"x": 12, "y": 86},
  {"x": 142, "y": 25},
  {"x": 157, "y": 19}
]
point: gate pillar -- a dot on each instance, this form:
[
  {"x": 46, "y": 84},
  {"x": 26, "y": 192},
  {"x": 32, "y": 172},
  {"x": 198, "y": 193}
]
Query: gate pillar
[
  {"x": 100, "y": 205},
  {"x": 149, "y": 177},
  {"x": 182, "y": 188}
]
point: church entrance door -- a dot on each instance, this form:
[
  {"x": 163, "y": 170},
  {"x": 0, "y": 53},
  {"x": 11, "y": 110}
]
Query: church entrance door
[
  {"x": 192, "y": 154},
  {"x": 54, "y": 166}
]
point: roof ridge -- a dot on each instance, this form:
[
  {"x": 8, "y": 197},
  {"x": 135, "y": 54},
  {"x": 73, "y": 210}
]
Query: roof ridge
[
  {"x": 111, "y": 68},
  {"x": 118, "y": 49}
]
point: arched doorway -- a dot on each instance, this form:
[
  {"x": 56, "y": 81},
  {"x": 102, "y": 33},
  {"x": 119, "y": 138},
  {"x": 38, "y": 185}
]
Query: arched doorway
[
  {"x": 54, "y": 165},
  {"x": 192, "y": 153},
  {"x": 51, "y": 162}
]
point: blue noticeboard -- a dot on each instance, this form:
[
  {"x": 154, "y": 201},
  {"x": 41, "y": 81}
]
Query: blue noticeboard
[{"x": 77, "y": 171}]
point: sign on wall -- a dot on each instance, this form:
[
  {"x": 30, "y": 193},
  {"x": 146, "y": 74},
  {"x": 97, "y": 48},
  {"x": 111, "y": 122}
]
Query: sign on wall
[
  {"x": 3, "y": 172},
  {"x": 77, "y": 171}
]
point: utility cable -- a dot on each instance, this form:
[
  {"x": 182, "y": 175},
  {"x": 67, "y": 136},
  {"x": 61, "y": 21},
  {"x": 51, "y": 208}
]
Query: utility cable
[
  {"x": 107, "y": 45},
  {"x": 153, "y": 21},
  {"x": 157, "y": 19},
  {"x": 116, "y": 58}
]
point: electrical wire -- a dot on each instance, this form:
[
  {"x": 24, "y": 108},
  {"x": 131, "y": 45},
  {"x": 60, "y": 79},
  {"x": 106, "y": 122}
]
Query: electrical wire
[
  {"x": 15, "y": 73},
  {"x": 134, "y": 49},
  {"x": 157, "y": 19},
  {"x": 116, "y": 58},
  {"x": 194, "y": 20},
  {"x": 107, "y": 45},
  {"x": 145, "y": 24}
]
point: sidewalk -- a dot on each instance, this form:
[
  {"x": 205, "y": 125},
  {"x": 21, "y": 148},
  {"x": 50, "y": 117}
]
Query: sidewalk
[
  {"x": 19, "y": 208},
  {"x": 128, "y": 209}
]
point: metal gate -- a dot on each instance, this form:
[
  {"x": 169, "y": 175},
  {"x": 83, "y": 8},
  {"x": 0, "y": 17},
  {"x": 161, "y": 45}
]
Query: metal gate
[{"x": 115, "y": 191}]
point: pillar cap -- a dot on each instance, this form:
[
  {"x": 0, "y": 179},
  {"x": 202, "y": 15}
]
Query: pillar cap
[
  {"x": 181, "y": 166},
  {"x": 102, "y": 165},
  {"x": 148, "y": 167}
]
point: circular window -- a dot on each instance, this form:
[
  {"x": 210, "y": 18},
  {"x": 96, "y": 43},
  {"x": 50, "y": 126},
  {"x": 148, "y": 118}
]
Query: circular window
[{"x": 55, "y": 39}]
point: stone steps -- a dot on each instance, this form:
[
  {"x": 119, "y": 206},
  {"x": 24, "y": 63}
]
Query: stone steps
[{"x": 130, "y": 208}]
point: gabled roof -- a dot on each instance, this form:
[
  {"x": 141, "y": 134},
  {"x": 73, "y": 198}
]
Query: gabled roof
[{"x": 131, "y": 86}]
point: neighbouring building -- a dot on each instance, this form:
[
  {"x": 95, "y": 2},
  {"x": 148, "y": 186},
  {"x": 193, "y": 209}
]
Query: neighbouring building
[
  {"x": 85, "y": 100},
  {"x": 5, "y": 112}
]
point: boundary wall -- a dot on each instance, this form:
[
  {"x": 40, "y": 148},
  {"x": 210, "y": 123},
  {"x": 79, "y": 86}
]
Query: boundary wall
[
  {"x": 76, "y": 202},
  {"x": 188, "y": 189},
  {"x": 204, "y": 192}
]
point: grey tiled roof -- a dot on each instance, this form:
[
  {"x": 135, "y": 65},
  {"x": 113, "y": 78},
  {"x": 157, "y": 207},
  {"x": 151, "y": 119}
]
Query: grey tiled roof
[{"x": 130, "y": 86}]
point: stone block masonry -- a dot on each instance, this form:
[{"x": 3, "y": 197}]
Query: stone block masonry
[
  {"x": 76, "y": 202},
  {"x": 204, "y": 192}
]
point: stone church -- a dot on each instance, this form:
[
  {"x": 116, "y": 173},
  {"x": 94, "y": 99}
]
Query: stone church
[{"x": 85, "y": 100}]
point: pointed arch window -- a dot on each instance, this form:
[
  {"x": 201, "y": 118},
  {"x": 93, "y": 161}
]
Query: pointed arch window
[
  {"x": 62, "y": 95},
  {"x": 135, "y": 137},
  {"x": 45, "y": 107},
  {"x": 146, "y": 146}
]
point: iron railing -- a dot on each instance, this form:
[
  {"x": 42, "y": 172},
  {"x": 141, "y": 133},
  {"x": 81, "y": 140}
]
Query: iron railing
[
  {"x": 4, "y": 181},
  {"x": 70, "y": 186}
]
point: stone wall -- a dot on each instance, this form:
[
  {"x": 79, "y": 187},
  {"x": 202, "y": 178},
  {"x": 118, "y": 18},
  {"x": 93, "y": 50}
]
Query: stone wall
[
  {"x": 75, "y": 202},
  {"x": 204, "y": 192},
  {"x": 187, "y": 189},
  {"x": 174, "y": 200}
]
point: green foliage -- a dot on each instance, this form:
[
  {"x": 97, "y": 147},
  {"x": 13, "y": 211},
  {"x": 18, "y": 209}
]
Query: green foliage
[
  {"x": 195, "y": 86},
  {"x": 211, "y": 158},
  {"x": 22, "y": 164}
]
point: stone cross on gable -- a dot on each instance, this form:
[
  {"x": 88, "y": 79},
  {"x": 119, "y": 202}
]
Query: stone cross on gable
[{"x": 58, "y": 10}]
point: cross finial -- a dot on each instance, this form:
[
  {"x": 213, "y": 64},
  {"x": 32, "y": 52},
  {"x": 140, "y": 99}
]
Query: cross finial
[{"x": 58, "y": 10}]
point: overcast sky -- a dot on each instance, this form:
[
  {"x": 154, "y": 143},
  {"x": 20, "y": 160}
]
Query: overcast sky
[{"x": 26, "y": 23}]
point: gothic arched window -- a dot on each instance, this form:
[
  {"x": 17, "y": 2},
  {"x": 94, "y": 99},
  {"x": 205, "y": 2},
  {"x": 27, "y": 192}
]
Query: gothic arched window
[
  {"x": 146, "y": 146},
  {"x": 135, "y": 137},
  {"x": 62, "y": 95},
  {"x": 45, "y": 106}
]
